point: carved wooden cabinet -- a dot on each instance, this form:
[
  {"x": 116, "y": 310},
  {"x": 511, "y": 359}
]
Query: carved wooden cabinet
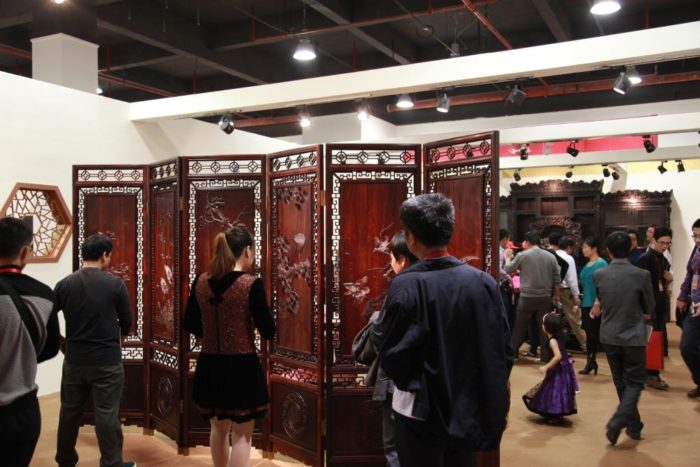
[{"x": 634, "y": 209}]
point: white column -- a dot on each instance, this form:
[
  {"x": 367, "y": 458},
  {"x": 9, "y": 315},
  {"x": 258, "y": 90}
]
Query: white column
[{"x": 65, "y": 60}]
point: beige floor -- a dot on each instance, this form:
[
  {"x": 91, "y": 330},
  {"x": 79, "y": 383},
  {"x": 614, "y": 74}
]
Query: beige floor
[{"x": 671, "y": 434}]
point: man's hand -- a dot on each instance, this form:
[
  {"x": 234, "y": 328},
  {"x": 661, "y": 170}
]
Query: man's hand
[
  {"x": 543, "y": 369},
  {"x": 595, "y": 310},
  {"x": 508, "y": 254},
  {"x": 668, "y": 276},
  {"x": 647, "y": 317},
  {"x": 696, "y": 311},
  {"x": 681, "y": 305}
]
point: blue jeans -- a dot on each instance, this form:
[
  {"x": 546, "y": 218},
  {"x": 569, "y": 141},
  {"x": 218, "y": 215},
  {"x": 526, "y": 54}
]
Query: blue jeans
[{"x": 690, "y": 346}]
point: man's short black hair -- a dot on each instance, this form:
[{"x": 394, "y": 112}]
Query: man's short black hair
[
  {"x": 554, "y": 238},
  {"x": 566, "y": 242},
  {"x": 95, "y": 246},
  {"x": 14, "y": 234},
  {"x": 633, "y": 232},
  {"x": 696, "y": 224},
  {"x": 662, "y": 232},
  {"x": 619, "y": 244},
  {"x": 430, "y": 218},
  {"x": 399, "y": 248},
  {"x": 503, "y": 233},
  {"x": 532, "y": 237}
]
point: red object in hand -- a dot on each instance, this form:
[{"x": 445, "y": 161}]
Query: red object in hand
[{"x": 655, "y": 351}]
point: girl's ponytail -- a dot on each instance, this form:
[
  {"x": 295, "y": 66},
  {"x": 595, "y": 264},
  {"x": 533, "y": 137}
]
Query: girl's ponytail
[{"x": 223, "y": 260}]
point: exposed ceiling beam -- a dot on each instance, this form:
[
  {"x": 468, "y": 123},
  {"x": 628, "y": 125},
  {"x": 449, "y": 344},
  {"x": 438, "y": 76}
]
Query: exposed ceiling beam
[
  {"x": 242, "y": 35},
  {"x": 555, "y": 17},
  {"x": 134, "y": 55},
  {"x": 161, "y": 28},
  {"x": 381, "y": 39},
  {"x": 647, "y": 46},
  {"x": 14, "y": 13}
]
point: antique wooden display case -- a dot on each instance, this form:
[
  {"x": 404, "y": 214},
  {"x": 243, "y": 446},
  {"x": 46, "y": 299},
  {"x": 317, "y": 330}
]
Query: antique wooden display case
[{"x": 112, "y": 200}]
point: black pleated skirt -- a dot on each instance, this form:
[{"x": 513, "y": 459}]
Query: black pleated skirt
[{"x": 230, "y": 387}]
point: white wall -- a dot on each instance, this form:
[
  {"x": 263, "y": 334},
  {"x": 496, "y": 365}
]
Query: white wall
[
  {"x": 45, "y": 129},
  {"x": 640, "y": 176}
]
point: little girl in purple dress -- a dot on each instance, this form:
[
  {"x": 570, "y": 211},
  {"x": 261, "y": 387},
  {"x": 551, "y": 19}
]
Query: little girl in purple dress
[{"x": 555, "y": 397}]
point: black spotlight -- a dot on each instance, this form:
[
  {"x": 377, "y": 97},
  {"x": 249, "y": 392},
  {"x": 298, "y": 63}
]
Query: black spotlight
[
  {"x": 570, "y": 173},
  {"x": 226, "y": 123},
  {"x": 517, "y": 176},
  {"x": 648, "y": 144},
  {"x": 524, "y": 152},
  {"x": 516, "y": 96},
  {"x": 573, "y": 152},
  {"x": 622, "y": 83},
  {"x": 662, "y": 170},
  {"x": 615, "y": 175},
  {"x": 606, "y": 171},
  {"x": 680, "y": 166}
]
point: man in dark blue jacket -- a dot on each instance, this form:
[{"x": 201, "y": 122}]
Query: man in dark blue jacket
[{"x": 446, "y": 345}]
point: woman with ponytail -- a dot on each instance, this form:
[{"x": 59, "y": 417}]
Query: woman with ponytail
[{"x": 226, "y": 304}]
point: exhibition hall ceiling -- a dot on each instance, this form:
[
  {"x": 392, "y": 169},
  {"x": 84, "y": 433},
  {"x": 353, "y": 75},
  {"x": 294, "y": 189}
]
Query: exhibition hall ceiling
[{"x": 157, "y": 48}]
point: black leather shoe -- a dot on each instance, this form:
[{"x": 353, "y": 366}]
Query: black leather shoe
[
  {"x": 612, "y": 434},
  {"x": 694, "y": 393},
  {"x": 635, "y": 435}
]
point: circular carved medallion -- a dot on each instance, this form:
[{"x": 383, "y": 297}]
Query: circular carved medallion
[
  {"x": 166, "y": 396},
  {"x": 295, "y": 416}
]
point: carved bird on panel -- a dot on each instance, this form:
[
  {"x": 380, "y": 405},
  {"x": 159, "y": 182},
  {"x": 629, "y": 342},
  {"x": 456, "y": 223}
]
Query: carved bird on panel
[{"x": 357, "y": 290}]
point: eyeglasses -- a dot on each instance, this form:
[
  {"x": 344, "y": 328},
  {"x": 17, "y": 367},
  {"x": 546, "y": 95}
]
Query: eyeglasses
[{"x": 661, "y": 242}]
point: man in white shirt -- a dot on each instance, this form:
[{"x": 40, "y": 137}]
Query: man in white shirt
[{"x": 569, "y": 294}]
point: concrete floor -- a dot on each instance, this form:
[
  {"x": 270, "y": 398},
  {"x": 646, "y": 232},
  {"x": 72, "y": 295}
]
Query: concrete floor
[{"x": 671, "y": 434}]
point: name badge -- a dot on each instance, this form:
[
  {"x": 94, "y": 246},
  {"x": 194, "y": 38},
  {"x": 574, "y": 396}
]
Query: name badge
[
  {"x": 696, "y": 280},
  {"x": 661, "y": 286}
]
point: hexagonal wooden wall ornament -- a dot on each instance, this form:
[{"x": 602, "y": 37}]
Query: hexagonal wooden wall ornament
[{"x": 42, "y": 207}]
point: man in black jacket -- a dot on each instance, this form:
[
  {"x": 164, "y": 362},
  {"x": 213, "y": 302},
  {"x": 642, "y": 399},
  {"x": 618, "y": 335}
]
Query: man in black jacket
[
  {"x": 22, "y": 344},
  {"x": 659, "y": 268},
  {"x": 445, "y": 343}
]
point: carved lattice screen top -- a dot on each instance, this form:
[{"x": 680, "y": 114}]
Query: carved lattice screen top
[{"x": 42, "y": 207}]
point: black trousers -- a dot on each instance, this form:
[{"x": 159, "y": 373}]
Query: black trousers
[
  {"x": 592, "y": 328},
  {"x": 389, "y": 432},
  {"x": 20, "y": 425},
  {"x": 421, "y": 446},
  {"x": 627, "y": 365},
  {"x": 105, "y": 384},
  {"x": 690, "y": 346},
  {"x": 507, "y": 299}
]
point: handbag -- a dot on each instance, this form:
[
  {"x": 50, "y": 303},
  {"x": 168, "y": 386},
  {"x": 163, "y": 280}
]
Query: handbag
[
  {"x": 363, "y": 350},
  {"x": 29, "y": 323},
  {"x": 655, "y": 351}
]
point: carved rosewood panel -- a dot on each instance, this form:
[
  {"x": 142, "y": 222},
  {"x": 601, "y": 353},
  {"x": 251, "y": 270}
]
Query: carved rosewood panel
[{"x": 163, "y": 318}]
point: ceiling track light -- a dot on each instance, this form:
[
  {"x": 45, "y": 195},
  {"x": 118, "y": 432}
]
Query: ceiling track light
[
  {"x": 573, "y": 152},
  {"x": 524, "y": 152},
  {"x": 605, "y": 7},
  {"x": 226, "y": 123},
  {"x": 622, "y": 83},
  {"x": 680, "y": 166},
  {"x": 304, "y": 118},
  {"x": 517, "y": 96},
  {"x": 606, "y": 171},
  {"x": 615, "y": 175},
  {"x": 633, "y": 75},
  {"x": 304, "y": 51},
  {"x": 649, "y": 145},
  {"x": 363, "y": 111},
  {"x": 662, "y": 170},
  {"x": 59, "y": 2},
  {"x": 404, "y": 101},
  {"x": 570, "y": 173},
  {"x": 443, "y": 103},
  {"x": 517, "y": 175}
]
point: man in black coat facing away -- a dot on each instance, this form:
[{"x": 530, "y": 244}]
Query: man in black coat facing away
[{"x": 446, "y": 345}]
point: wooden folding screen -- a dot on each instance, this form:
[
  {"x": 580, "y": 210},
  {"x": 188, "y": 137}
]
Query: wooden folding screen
[
  {"x": 465, "y": 169},
  {"x": 111, "y": 199},
  {"x": 296, "y": 288},
  {"x": 366, "y": 184},
  {"x": 218, "y": 192}
]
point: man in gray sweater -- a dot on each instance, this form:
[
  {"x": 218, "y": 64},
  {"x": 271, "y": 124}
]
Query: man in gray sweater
[
  {"x": 539, "y": 286},
  {"x": 626, "y": 300}
]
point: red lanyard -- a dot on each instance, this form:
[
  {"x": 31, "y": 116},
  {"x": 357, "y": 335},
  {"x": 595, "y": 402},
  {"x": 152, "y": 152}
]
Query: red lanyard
[
  {"x": 11, "y": 270},
  {"x": 439, "y": 254}
]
